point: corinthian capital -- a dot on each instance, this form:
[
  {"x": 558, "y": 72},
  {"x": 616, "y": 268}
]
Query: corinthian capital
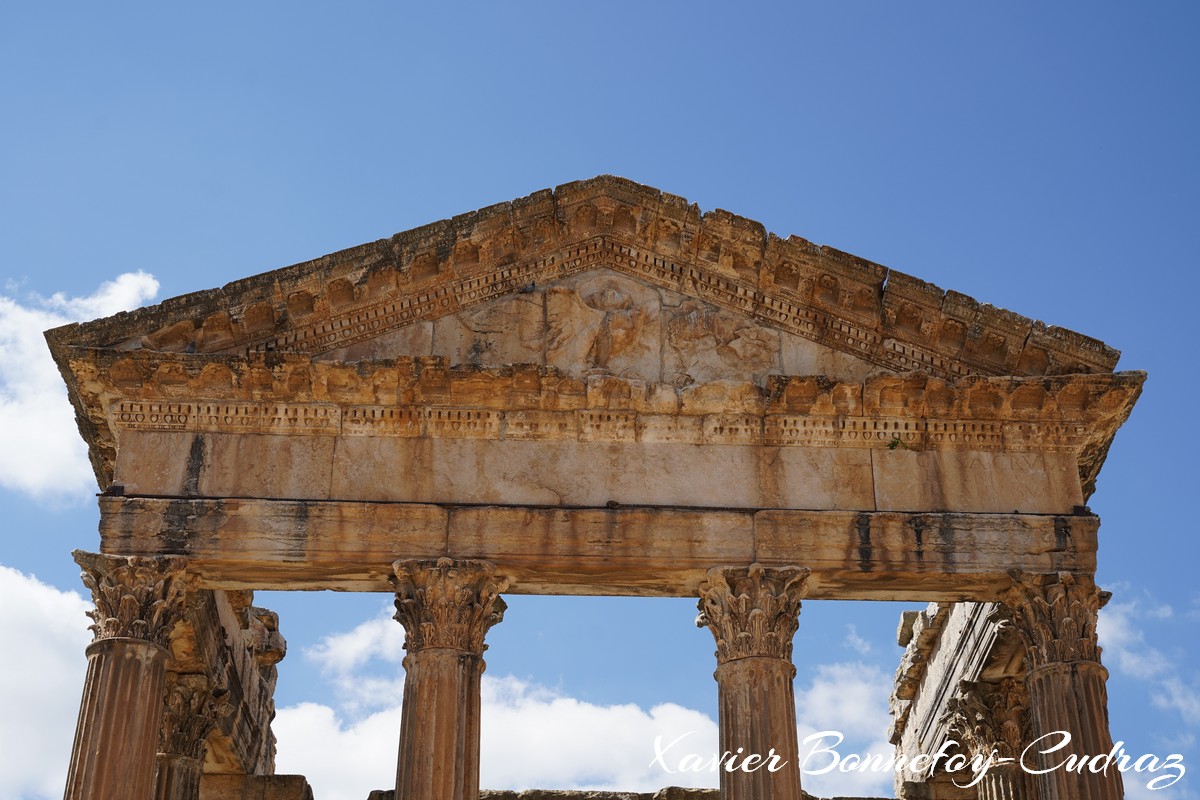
[
  {"x": 136, "y": 597},
  {"x": 990, "y": 716},
  {"x": 1055, "y": 615},
  {"x": 752, "y": 611},
  {"x": 447, "y": 603},
  {"x": 191, "y": 709}
]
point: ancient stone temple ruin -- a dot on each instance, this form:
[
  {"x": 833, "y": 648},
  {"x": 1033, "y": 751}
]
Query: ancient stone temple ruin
[{"x": 594, "y": 390}]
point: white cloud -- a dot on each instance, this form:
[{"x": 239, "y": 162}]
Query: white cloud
[
  {"x": 41, "y": 453},
  {"x": 1120, "y": 630},
  {"x": 40, "y": 683},
  {"x": 342, "y": 761},
  {"x": 350, "y": 661},
  {"x": 375, "y": 639},
  {"x": 530, "y": 737},
  {"x": 851, "y": 698},
  {"x": 856, "y": 642},
  {"x": 535, "y": 737},
  {"x": 1174, "y": 693}
]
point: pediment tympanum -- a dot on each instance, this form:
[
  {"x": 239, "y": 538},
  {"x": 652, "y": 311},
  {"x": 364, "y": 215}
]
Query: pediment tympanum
[
  {"x": 604, "y": 322},
  {"x": 594, "y": 318}
]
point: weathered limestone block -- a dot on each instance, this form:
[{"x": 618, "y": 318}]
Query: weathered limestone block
[
  {"x": 264, "y": 465},
  {"x": 801, "y": 356},
  {"x": 959, "y": 479},
  {"x": 669, "y": 793},
  {"x": 255, "y": 787}
]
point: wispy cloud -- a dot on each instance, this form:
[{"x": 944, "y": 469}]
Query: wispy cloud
[
  {"x": 1125, "y": 648},
  {"x": 1122, "y": 635},
  {"x": 41, "y": 453},
  {"x": 1184, "y": 697},
  {"x": 1193, "y": 610},
  {"x": 856, "y": 642}
]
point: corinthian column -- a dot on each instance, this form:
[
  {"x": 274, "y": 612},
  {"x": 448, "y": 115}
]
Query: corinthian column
[
  {"x": 753, "y": 612},
  {"x": 1056, "y": 617},
  {"x": 446, "y": 608},
  {"x": 989, "y": 721},
  {"x": 138, "y": 601},
  {"x": 189, "y": 714}
]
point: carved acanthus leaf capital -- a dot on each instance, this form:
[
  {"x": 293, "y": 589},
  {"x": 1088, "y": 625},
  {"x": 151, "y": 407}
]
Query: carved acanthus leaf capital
[
  {"x": 136, "y": 597},
  {"x": 987, "y": 717},
  {"x": 1055, "y": 615},
  {"x": 191, "y": 708},
  {"x": 752, "y": 611},
  {"x": 447, "y": 603}
]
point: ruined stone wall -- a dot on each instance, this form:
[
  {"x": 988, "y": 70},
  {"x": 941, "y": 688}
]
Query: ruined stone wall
[{"x": 669, "y": 793}]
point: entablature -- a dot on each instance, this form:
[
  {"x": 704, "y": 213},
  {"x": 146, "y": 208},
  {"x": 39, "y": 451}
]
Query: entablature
[{"x": 1072, "y": 416}]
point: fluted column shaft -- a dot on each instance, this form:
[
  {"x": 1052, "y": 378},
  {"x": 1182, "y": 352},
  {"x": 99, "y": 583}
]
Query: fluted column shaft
[
  {"x": 178, "y": 777},
  {"x": 1072, "y": 697},
  {"x": 138, "y": 601},
  {"x": 117, "y": 732},
  {"x": 446, "y": 607},
  {"x": 1005, "y": 782},
  {"x": 1056, "y": 616},
  {"x": 753, "y": 613}
]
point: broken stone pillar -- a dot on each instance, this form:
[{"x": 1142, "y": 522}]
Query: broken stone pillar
[
  {"x": 189, "y": 714},
  {"x": 446, "y": 607},
  {"x": 989, "y": 720},
  {"x": 1056, "y": 617},
  {"x": 753, "y": 612},
  {"x": 138, "y": 601}
]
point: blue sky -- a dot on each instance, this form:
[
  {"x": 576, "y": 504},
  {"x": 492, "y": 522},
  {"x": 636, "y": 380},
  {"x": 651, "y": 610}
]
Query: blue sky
[{"x": 1040, "y": 157}]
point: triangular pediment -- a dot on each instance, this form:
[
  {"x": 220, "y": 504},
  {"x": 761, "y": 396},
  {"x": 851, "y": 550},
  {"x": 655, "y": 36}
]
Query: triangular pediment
[
  {"x": 594, "y": 281},
  {"x": 723, "y": 269}
]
